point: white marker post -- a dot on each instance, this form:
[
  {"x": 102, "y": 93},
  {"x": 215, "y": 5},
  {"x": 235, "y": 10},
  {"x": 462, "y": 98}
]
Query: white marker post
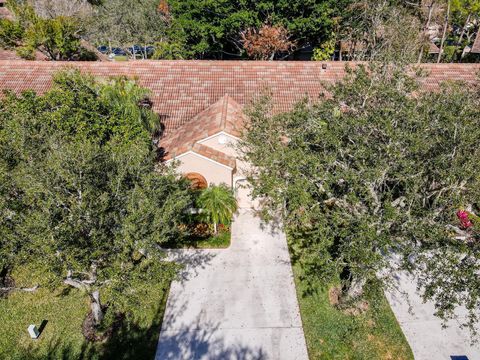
[{"x": 33, "y": 331}]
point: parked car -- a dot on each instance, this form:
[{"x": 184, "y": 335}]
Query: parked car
[
  {"x": 103, "y": 49},
  {"x": 119, "y": 52},
  {"x": 136, "y": 51},
  {"x": 150, "y": 50}
]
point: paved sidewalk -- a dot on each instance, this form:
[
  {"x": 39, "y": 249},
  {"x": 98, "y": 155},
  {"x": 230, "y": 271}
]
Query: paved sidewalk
[
  {"x": 237, "y": 303},
  {"x": 424, "y": 332}
]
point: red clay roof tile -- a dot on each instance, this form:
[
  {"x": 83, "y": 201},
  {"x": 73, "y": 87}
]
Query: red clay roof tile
[
  {"x": 224, "y": 115},
  {"x": 215, "y": 155},
  {"x": 476, "y": 44},
  {"x": 183, "y": 89},
  {"x": 4, "y": 12}
]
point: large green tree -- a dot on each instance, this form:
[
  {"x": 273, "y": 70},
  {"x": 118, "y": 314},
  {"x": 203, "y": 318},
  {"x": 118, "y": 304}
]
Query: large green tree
[
  {"x": 81, "y": 197},
  {"x": 379, "y": 30},
  {"x": 58, "y": 38},
  {"x": 209, "y": 28},
  {"x": 126, "y": 23},
  {"x": 377, "y": 168}
]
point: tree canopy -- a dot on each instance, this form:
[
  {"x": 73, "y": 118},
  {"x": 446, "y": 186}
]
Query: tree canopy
[
  {"x": 377, "y": 169},
  {"x": 219, "y": 29},
  {"x": 126, "y": 23},
  {"x": 213, "y": 28},
  {"x": 57, "y": 38},
  {"x": 81, "y": 196}
]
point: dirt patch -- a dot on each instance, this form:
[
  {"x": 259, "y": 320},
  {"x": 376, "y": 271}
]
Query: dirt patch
[
  {"x": 334, "y": 294},
  {"x": 91, "y": 332},
  {"x": 89, "y": 329},
  {"x": 358, "y": 308}
]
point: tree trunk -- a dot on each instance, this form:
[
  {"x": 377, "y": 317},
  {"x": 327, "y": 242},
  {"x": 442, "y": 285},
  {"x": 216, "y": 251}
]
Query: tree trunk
[
  {"x": 444, "y": 35},
  {"x": 96, "y": 307},
  {"x": 215, "y": 228},
  {"x": 459, "y": 42},
  {"x": 425, "y": 30},
  {"x": 355, "y": 290},
  {"x": 12, "y": 288},
  {"x": 95, "y": 304},
  {"x": 469, "y": 39}
]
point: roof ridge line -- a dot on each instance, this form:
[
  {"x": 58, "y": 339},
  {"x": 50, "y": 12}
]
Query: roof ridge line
[{"x": 223, "y": 121}]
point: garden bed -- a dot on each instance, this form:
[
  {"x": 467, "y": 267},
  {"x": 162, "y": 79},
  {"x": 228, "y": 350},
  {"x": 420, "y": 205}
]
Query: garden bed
[{"x": 201, "y": 237}]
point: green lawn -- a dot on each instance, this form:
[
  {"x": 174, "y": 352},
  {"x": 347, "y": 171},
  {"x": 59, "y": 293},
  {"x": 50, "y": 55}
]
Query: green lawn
[
  {"x": 332, "y": 334},
  {"x": 120, "y": 58},
  {"x": 221, "y": 241},
  {"x": 65, "y": 309}
]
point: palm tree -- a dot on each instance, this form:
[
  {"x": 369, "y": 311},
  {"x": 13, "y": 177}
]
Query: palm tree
[
  {"x": 132, "y": 101},
  {"x": 218, "y": 205}
]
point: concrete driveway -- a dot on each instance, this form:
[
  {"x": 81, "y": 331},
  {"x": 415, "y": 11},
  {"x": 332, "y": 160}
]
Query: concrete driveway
[
  {"x": 237, "y": 303},
  {"x": 424, "y": 332}
]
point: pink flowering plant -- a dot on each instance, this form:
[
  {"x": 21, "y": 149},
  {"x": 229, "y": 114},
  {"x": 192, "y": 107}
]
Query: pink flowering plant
[
  {"x": 470, "y": 225},
  {"x": 464, "y": 218}
]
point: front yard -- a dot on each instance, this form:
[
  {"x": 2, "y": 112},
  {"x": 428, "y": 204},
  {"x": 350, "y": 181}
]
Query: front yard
[{"x": 65, "y": 308}]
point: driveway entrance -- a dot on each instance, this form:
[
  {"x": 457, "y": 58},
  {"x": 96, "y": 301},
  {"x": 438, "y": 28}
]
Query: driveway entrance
[{"x": 238, "y": 303}]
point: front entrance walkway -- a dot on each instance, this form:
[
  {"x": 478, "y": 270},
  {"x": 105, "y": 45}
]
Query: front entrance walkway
[{"x": 237, "y": 303}]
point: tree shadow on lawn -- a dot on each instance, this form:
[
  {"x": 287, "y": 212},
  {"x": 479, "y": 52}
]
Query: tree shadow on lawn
[{"x": 128, "y": 341}]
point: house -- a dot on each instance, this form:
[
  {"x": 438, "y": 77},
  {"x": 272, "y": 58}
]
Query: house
[
  {"x": 202, "y": 103},
  {"x": 4, "y": 12},
  {"x": 206, "y": 144},
  {"x": 433, "y": 49},
  {"x": 476, "y": 45},
  {"x": 206, "y": 150}
]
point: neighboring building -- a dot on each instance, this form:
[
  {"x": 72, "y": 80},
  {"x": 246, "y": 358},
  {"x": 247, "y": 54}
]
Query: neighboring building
[
  {"x": 433, "y": 49},
  {"x": 4, "y": 12},
  {"x": 201, "y": 103},
  {"x": 476, "y": 44},
  {"x": 7, "y": 54}
]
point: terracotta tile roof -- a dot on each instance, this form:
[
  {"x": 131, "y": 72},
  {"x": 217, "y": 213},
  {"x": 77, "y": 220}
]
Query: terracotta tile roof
[
  {"x": 215, "y": 155},
  {"x": 8, "y": 54},
  {"x": 433, "y": 49},
  {"x": 4, "y": 12},
  {"x": 224, "y": 115},
  {"x": 183, "y": 89},
  {"x": 12, "y": 55},
  {"x": 476, "y": 44},
  {"x": 190, "y": 96}
]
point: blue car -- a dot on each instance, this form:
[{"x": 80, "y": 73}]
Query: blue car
[
  {"x": 103, "y": 49},
  {"x": 119, "y": 51}
]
